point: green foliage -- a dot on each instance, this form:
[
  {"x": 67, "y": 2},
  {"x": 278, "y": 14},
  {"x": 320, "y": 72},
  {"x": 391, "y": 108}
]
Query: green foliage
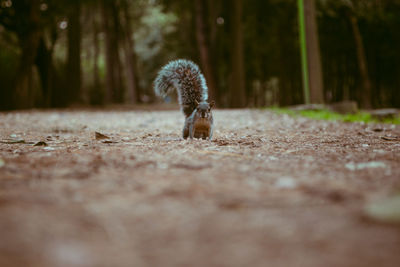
[
  {"x": 333, "y": 116},
  {"x": 153, "y": 28},
  {"x": 154, "y": 25}
]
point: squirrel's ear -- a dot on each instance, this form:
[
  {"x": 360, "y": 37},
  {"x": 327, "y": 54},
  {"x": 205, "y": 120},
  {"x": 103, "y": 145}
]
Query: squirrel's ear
[
  {"x": 212, "y": 104},
  {"x": 196, "y": 102}
]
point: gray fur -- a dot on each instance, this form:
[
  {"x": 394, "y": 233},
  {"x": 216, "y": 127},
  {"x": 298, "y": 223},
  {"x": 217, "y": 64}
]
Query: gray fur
[{"x": 186, "y": 77}]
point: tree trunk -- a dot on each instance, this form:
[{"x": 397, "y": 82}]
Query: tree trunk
[
  {"x": 365, "y": 96},
  {"x": 285, "y": 95},
  {"x": 109, "y": 53},
  {"x": 237, "y": 92},
  {"x": 45, "y": 69},
  {"x": 214, "y": 9},
  {"x": 74, "y": 53},
  {"x": 24, "y": 86},
  {"x": 130, "y": 57},
  {"x": 29, "y": 42},
  {"x": 313, "y": 53},
  {"x": 119, "y": 88},
  {"x": 204, "y": 47},
  {"x": 113, "y": 65},
  {"x": 96, "y": 92},
  {"x": 96, "y": 53}
]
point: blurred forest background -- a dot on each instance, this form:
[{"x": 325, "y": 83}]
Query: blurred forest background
[{"x": 58, "y": 53}]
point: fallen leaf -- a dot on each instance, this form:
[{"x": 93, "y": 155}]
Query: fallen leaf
[
  {"x": 109, "y": 142},
  {"x": 2, "y": 163},
  {"x": 13, "y": 141},
  {"x": 377, "y": 129},
  {"x": 390, "y": 138},
  {"x": 40, "y": 143},
  {"x": 100, "y": 136}
]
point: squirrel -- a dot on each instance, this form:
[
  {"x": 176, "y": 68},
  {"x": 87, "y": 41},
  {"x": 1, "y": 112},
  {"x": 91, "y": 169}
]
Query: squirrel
[{"x": 186, "y": 78}]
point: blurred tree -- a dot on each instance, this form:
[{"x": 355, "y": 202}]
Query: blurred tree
[
  {"x": 44, "y": 57},
  {"x": 96, "y": 93},
  {"x": 213, "y": 21},
  {"x": 361, "y": 57},
  {"x": 23, "y": 18},
  {"x": 352, "y": 11},
  {"x": 130, "y": 55},
  {"x": 112, "y": 30},
  {"x": 272, "y": 56},
  {"x": 203, "y": 44},
  {"x": 74, "y": 52},
  {"x": 237, "y": 85},
  {"x": 313, "y": 83}
]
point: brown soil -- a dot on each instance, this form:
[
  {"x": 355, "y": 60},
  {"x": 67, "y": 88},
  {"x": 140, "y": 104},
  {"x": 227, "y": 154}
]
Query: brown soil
[{"x": 269, "y": 190}]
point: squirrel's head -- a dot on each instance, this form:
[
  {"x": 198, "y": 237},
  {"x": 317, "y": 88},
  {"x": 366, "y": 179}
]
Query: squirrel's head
[{"x": 203, "y": 108}]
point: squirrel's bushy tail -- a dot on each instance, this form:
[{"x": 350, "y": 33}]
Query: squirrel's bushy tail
[{"x": 184, "y": 76}]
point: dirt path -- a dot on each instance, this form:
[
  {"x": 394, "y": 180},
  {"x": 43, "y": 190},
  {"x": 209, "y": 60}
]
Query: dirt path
[{"x": 269, "y": 190}]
